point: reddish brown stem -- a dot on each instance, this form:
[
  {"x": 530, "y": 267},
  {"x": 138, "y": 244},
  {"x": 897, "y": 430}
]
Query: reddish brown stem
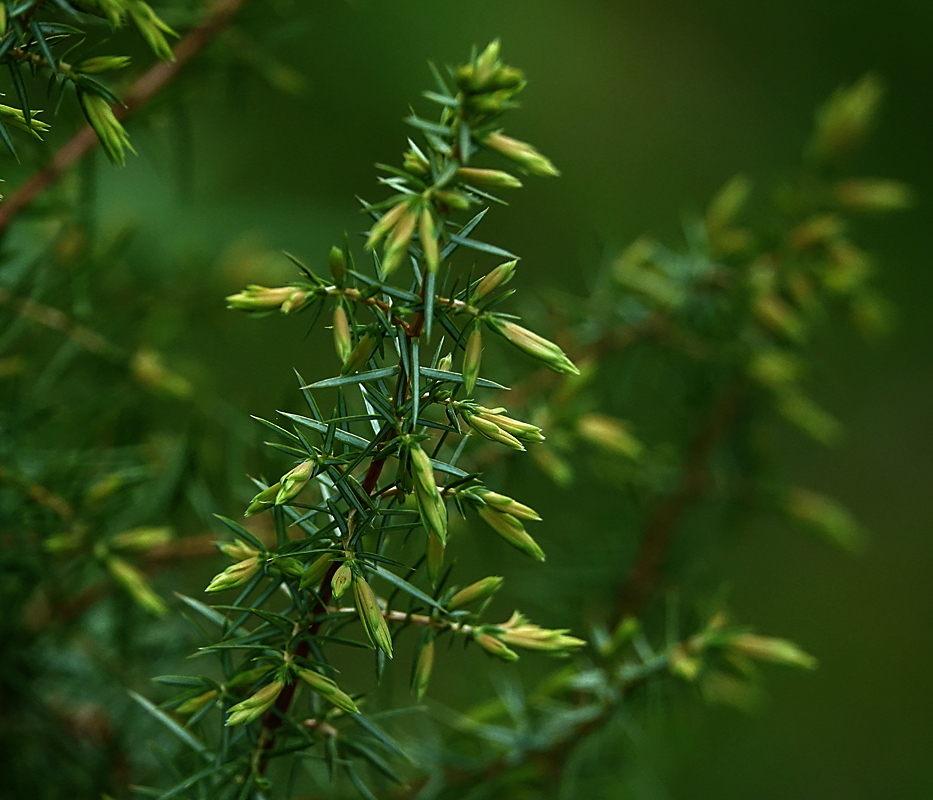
[{"x": 147, "y": 87}]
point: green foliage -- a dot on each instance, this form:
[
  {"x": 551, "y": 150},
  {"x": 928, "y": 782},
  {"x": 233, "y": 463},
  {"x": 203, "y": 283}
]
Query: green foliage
[{"x": 348, "y": 557}]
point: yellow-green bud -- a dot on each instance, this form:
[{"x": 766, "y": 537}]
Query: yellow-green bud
[
  {"x": 341, "y": 580},
  {"x": 430, "y": 503},
  {"x": 523, "y": 431},
  {"x": 137, "y": 586},
  {"x": 446, "y": 363},
  {"x": 256, "y": 705},
  {"x": 98, "y": 64},
  {"x": 329, "y": 690},
  {"x": 609, "y": 434},
  {"x": 237, "y": 550},
  {"x": 338, "y": 265},
  {"x": 509, "y": 506},
  {"x": 343, "y": 341},
  {"x": 234, "y": 575},
  {"x": 423, "y": 666},
  {"x": 455, "y": 200},
  {"x": 265, "y": 499},
  {"x": 497, "y": 277},
  {"x": 488, "y": 428},
  {"x": 428, "y": 236},
  {"x": 316, "y": 571},
  {"x": 873, "y": 195},
  {"x": 535, "y": 346},
  {"x": 471, "y": 360},
  {"x": 826, "y": 517},
  {"x": 112, "y": 135},
  {"x": 374, "y": 622},
  {"x": 491, "y": 178},
  {"x": 261, "y": 299},
  {"x": 492, "y": 645},
  {"x": 778, "y": 651},
  {"x": 360, "y": 354},
  {"x": 475, "y": 592},
  {"x": 487, "y": 64},
  {"x": 294, "y": 481},
  {"x": 510, "y": 529},
  {"x": 139, "y": 539},
  {"x": 385, "y": 223},
  {"x": 844, "y": 122},
  {"x": 522, "y": 154},
  {"x": 195, "y": 704},
  {"x": 519, "y": 632},
  {"x": 397, "y": 243}
]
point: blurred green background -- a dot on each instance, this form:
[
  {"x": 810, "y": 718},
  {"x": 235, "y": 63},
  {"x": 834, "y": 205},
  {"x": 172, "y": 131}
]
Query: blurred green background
[{"x": 647, "y": 108}]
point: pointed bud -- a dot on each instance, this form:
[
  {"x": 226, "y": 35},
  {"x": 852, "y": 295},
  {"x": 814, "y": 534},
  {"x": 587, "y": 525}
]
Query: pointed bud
[
  {"x": 430, "y": 503},
  {"x": 488, "y": 428},
  {"x": 256, "y": 705},
  {"x": 471, "y": 360},
  {"x": 428, "y": 236},
  {"x": 492, "y": 645},
  {"x": 385, "y": 223},
  {"x": 844, "y": 122},
  {"x": 827, "y": 517},
  {"x": 535, "y": 346},
  {"x": 423, "y": 666},
  {"x": 509, "y": 506},
  {"x": 522, "y": 154},
  {"x": 112, "y": 135},
  {"x": 247, "y": 677},
  {"x": 343, "y": 341},
  {"x": 195, "y": 704},
  {"x": 264, "y": 500},
  {"x": 609, "y": 434},
  {"x": 259, "y": 299},
  {"x": 475, "y": 592},
  {"x": 397, "y": 244},
  {"x": 99, "y": 64},
  {"x": 778, "y": 651},
  {"x": 497, "y": 277},
  {"x": 294, "y": 481},
  {"x": 435, "y": 558},
  {"x": 234, "y": 575},
  {"x": 341, "y": 580},
  {"x": 490, "y": 178},
  {"x": 338, "y": 265},
  {"x": 523, "y": 431},
  {"x": 446, "y": 363},
  {"x": 137, "y": 586},
  {"x": 510, "y": 529},
  {"x": 519, "y": 632},
  {"x": 141, "y": 539},
  {"x": 374, "y": 623},
  {"x": 328, "y": 689},
  {"x": 237, "y": 550},
  {"x": 360, "y": 354},
  {"x": 315, "y": 572},
  {"x": 458, "y": 201},
  {"x": 487, "y": 64}
]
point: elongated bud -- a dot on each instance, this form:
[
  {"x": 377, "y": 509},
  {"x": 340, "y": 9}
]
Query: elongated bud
[
  {"x": 423, "y": 666},
  {"x": 329, "y": 690},
  {"x": 260, "y": 299},
  {"x": 385, "y": 223},
  {"x": 360, "y": 354},
  {"x": 234, "y": 575},
  {"x": 294, "y": 481},
  {"x": 195, "y": 704},
  {"x": 141, "y": 539},
  {"x": 397, "y": 243},
  {"x": 248, "y": 677},
  {"x": 415, "y": 161},
  {"x": 151, "y": 28},
  {"x": 778, "y": 651},
  {"x": 487, "y": 63},
  {"x": 264, "y": 500},
  {"x": 873, "y": 195},
  {"x": 519, "y": 632},
  {"x": 510, "y": 529},
  {"x": 475, "y": 592},
  {"x": 137, "y": 586},
  {"x": 471, "y": 360},
  {"x": 827, "y": 517},
  {"x": 112, "y": 135},
  {"x": 316, "y": 571},
  {"x": 535, "y": 346},
  {"x": 609, "y": 434},
  {"x": 492, "y": 645},
  {"x": 428, "y": 236},
  {"x": 489, "y": 429},
  {"x": 98, "y": 64},
  {"x": 523, "y": 431},
  {"x": 342, "y": 579},
  {"x": 446, "y": 363},
  {"x": 338, "y": 265},
  {"x": 492, "y": 178},
  {"x": 435, "y": 559},
  {"x": 343, "y": 341},
  {"x": 455, "y": 200},
  {"x": 844, "y": 122},
  {"x": 238, "y": 551},
  {"x": 374, "y": 623},
  {"x": 256, "y": 705},
  {"x": 522, "y": 154},
  {"x": 430, "y": 503},
  {"x": 509, "y": 506},
  {"x": 497, "y": 277}
]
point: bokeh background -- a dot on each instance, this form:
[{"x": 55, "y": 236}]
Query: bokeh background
[{"x": 647, "y": 108}]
